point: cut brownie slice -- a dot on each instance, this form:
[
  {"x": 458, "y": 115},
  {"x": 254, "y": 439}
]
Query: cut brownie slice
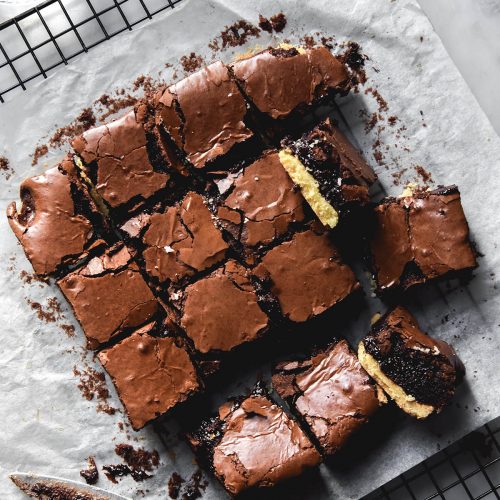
[
  {"x": 179, "y": 241},
  {"x": 152, "y": 372},
  {"x": 331, "y": 392},
  {"x": 253, "y": 443},
  {"x": 58, "y": 223},
  {"x": 418, "y": 372},
  {"x": 221, "y": 311},
  {"x": 123, "y": 162},
  {"x": 259, "y": 203},
  {"x": 306, "y": 275},
  {"x": 420, "y": 237},
  {"x": 282, "y": 83},
  {"x": 109, "y": 296},
  {"x": 332, "y": 175},
  {"x": 205, "y": 116}
]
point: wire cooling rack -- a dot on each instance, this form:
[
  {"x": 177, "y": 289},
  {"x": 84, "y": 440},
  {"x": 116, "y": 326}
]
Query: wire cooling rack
[{"x": 35, "y": 42}]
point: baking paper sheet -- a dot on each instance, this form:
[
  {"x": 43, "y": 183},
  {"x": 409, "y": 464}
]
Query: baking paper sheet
[{"x": 45, "y": 424}]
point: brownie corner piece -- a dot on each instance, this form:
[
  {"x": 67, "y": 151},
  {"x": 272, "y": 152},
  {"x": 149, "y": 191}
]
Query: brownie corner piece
[
  {"x": 58, "y": 223},
  {"x": 330, "y": 392},
  {"x": 109, "y": 296},
  {"x": 418, "y": 372},
  {"x": 152, "y": 371},
  {"x": 331, "y": 173},
  {"x": 238, "y": 448},
  {"x": 419, "y": 237}
]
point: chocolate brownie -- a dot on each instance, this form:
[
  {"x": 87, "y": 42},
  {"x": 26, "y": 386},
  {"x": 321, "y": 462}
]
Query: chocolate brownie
[
  {"x": 123, "y": 162},
  {"x": 332, "y": 175},
  {"x": 109, "y": 296},
  {"x": 205, "y": 116},
  {"x": 179, "y": 241},
  {"x": 253, "y": 443},
  {"x": 329, "y": 391},
  {"x": 418, "y": 372},
  {"x": 259, "y": 203},
  {"x": 59, "y": 223},
  {"x": 152, "y": 372},
  {"x": 307, "y": 275},
  {"x": 420, "y": 237},
  {"x": 221, "y": 311}
]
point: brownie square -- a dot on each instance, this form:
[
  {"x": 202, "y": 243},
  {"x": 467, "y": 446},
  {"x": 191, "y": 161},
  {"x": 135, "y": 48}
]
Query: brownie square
[
  {"x": 152, "y": 372},
  {"x": 179, "y": 241},
  {"x": 125, "y": 164},
  {"x": 221, "y": 311},
  {"x": 418, "y": 372},
  {"x": 205, "y": 116},
  {"x": 332, "y": 175},
  {"x": 253, "y": 443},
  {"x": 306, "y": 275},
  {"x": 330, "y": 391},
  {"x": 59, "y": 223},
  {"x": 420, "y": 237},
  {"x": 109, "y": 296},
  {"x": 260, "y": 203}
]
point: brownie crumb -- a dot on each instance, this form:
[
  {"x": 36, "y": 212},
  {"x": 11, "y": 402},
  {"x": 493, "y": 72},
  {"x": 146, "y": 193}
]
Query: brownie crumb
[
  {"x": 275, "y": 23},
  {"x": 90, "y": 474},
  {"x": 174, "y": 485},
  {"x": 40, "y": 151},
  {"x": 137, "y": 463},
  {"x": 29, "y": 278},
  {"x": 191, "y": 63},
  {"x": 5, "y": 167},
  {"x": 308, "y": 41},
  {"x": 424, "y": 175},
  {"x": 85, "y": 120},
  {"x": 93, "y": 385},
  {"x": 355, "y": 59},
  {"x": 382, "y": 103},
  {"x": 68, "y": 329},
  {"x": 51, "y": 313},
  {"x": 147, "y": 84},
  {"x": 112, "y": 104},
  {"x": 235, "y": 35},
  {"x": 392, "y": 120},
  {"x": 191, "y": 489}
]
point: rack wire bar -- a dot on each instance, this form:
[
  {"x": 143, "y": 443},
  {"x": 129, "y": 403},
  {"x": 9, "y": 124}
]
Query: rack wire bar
[{"x": 22, "y": 64}]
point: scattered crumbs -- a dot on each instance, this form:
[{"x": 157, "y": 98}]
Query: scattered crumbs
[
  {"x": 5, "y": 167},
  {"x": 397, "y": 176},
  {"x": 147, "y": 84},
  {"x": 174, "y": 485},
  {"x": 187, "y": 490},
  {"x": 382, "y": 103},
  {"x": 421, "y": 39},
  {"x": 85, "y": 120},
  {"x": 191, "y": 63},
  {"x": 29, "y": 278},
  {"x": 90, "y": 474},
  {"x": 392, "y": 120},
  {"x": 424, "y": 175},
  {"x": 68, "y": 329},
  {"x": 354, "y": 58},
  {"x": 136, "y": 463},
  {"x": 275, "y": 23},
  {"x": 308, "y": 41},
  {"x": 51, "y": 312},
  {"x": 93, "y": 385},
  {"x": 235, "y": 35},
  {"x": 40, "y": 150},
  {"x": 111, "y": 104}
]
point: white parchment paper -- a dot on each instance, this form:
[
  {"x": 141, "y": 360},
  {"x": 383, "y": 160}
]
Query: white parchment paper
[{"x": 45, "y": 424}]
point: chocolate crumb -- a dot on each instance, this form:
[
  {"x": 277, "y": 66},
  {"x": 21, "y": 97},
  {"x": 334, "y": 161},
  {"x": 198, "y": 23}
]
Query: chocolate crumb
[
  {"x": 111, "y": 105},
  {"x": 50, "y": 313},
  {"x": 424, "y": 175},
  {"x": 382, "y": 103},
  {"x": 174, "y": 485},
  {"x": 29, "y": 278},
  {"x": 40, "y": 151},
  {"x": 85, "y": 120},
  {"x": 195, "y": 487},
  {"x": 191, "y": 63},
  {"x": 93, "y": 385},
  {"x": 392, "y": 120},
  {"x": 235, "y": 35},
  {"x": 68, "y": 329},
  {"x": 355, "y": 59},
  {"x": 5, "y": 167},
  {"x": 264, "y": 25},
  {"x": 137, "y": 463},
  {"x": 275, "y": 23},
  {"x": 90, "y": 474}
]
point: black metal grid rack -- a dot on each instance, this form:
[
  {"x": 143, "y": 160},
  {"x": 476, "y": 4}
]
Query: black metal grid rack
[{"x": 56, "y": 31}]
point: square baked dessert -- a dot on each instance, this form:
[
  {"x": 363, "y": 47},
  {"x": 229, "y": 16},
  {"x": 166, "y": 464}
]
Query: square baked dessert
[
  {"x": 331, "y": 173},
  {"x": 206, "y": 117},
  {"x": 152, "y": 372},
  {"x": 419, "y": 237},
  {"x": 58, "y": 223},
  {"x": 252, "y": 443},
  {"x": 109, "y": 296},
  {"x": 306, "y": 275},
  {"x": 125, "y": 162},
  {"x": 178, "y": 242},
  {"x": 259, "y": 204},
  {"x": 329, "y": 392},
  {"x": 418, "y": 372}
]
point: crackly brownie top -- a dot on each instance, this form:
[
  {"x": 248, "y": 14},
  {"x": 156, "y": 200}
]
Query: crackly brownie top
[
  {"x": 258, "y": 445},
  {"x": 53, "y": 225},
  {"x": 221, "y": 311},
  {"x": 117, "y": 159},
  {"x": 151, "y": 374},
  {"x": 306, "y": 275},
  {"x": 204, "y": 114},
  {"x": 426, "y": 368},
  {"x": 331, "y": 391},
  {"x": 262, "y": 202},
  {"x": 428, "y": 230},
  {"x": 278, "y": 81},
  {"x": 181, "y": 241},
  {"x": 109, "y": 295}
]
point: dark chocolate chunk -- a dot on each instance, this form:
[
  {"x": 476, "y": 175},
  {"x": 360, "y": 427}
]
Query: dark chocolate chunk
[{"x": 90, "y": 474}]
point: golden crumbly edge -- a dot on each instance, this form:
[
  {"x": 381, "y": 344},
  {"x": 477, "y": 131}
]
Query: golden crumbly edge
[
  {"x": 92, "y": 190},
  {"x": 259, "y": 48},
  {"x": 405, "y": 401},
  {"x": 309, "y": 187}
]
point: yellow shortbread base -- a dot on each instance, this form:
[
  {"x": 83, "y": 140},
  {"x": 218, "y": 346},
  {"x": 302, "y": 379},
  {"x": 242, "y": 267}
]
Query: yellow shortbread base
[
  {"x": 309, "y": 187},
  {"x": 406, "y": 402},
  {"x": 93, "y": 192}
]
